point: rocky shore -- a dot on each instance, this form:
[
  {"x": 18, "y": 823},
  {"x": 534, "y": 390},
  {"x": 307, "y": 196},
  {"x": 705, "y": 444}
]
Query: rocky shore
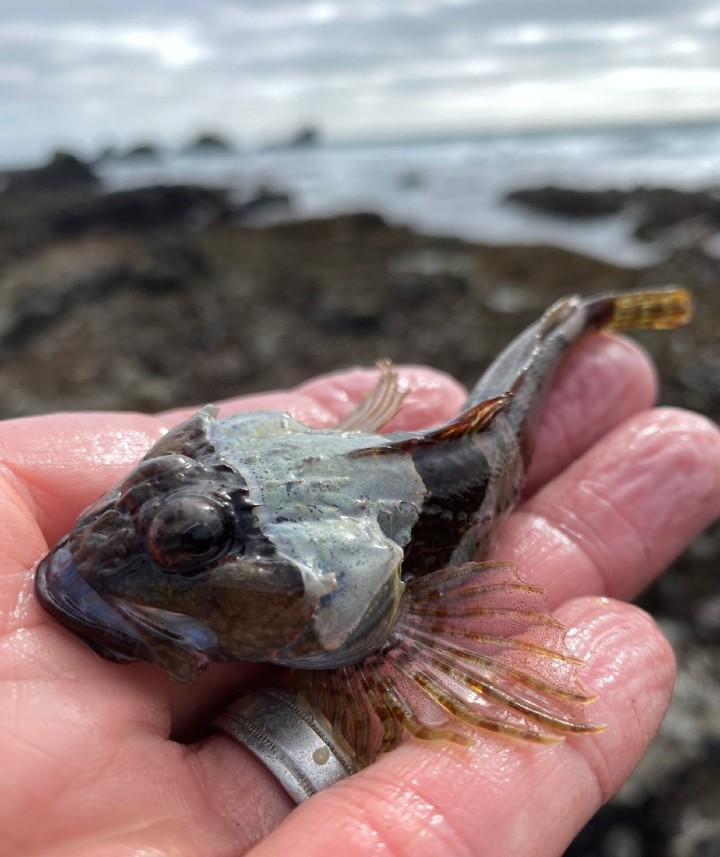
[
  {"x": 658, "y": 212},
  {"x": 165, "y": 296}
]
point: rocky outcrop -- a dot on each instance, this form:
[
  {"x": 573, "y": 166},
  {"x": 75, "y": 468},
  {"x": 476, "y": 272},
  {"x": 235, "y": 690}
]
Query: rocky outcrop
[
  {"x": 655, "y": 210},
  {"x": 662, "y": 209},
  {"x": 158, "y": 207},
  {"x": 266, "y": 205},
  {"x": 308, "y": 135},
  {"x": 141, "y": 151},
  {"x": 569, "y": 202},
  {"x": 210, "y": 142},
  {"x": 64, "y": 172}
]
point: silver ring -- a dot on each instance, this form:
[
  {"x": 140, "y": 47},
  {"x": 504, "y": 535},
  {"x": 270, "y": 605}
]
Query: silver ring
[{"x": 293, "y": 741}]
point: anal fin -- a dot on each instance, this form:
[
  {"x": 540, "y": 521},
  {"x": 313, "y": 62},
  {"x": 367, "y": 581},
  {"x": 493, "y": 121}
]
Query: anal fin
[{"x": 474, "y": 648}]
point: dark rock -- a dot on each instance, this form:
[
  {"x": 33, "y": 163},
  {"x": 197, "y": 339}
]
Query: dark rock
[
  {"x": 662, "y": 209},
  {"x": 265, "y": 206},
  {"x": 161, "y": 206},
  {"x": 36, "y": 310},
  {"x": 64, "y": 172},
  {"x": 686, "y": 216},
  {"x": 210, "y": 142},
  {"x": 142, "y": 151},
  {"x": 331, "y": 229},
  {"x": 267, "y": 307},
  {"x": 308, "y": 135},
  {"x": 352, "y": 323},
  {"x": 568, "y": 202},
  {"x": 366, "y": 221}
]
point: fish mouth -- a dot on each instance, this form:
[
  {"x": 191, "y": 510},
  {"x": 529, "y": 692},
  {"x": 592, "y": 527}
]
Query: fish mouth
[{"x": 117, "y": 630}]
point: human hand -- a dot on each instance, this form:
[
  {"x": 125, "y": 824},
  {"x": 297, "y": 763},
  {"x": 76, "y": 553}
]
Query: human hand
[{"x": 88, "y": 765}]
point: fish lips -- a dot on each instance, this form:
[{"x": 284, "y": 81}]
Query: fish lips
[{"x": 117, "y": 630}]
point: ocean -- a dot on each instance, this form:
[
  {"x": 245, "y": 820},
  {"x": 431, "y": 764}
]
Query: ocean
[{"x": 456, "y": 186}]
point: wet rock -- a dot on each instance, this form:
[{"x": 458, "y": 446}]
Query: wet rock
[
  {"x": 141, "y": 151},
  {"x": 162, "y": 206},
  {"x": 699, "y": 837},
  {"x": 36, "y": 310},
  {"x": 663, "y": 209},
  {"x": 569, "y": 202},
  {"x": 419, "y": 275},
  {"x": 210, "y": 142},
  {"x": 267, "y": 205},
  {"x": 277, "y": 304},
  {"x": 308, "y": 135},
  {"x": 64, "y": 172},
  {"x": 681, "y": 217}
]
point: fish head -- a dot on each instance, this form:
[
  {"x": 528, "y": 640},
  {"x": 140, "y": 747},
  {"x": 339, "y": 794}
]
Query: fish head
[
  {"x": 174, "y": 566},
  {"x": 171, "y": 567}
]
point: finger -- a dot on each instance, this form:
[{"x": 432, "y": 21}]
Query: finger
[
  {"x": 62, "y": 463},
  {"x": 600, "y": 384},
  {"x": 36, "y": 649},
  {"x": 54, "y": 466},
  {"x": 436, "y": 799},
  {"x": 91, "y": 745},
  {"x": 59, "y": 464},
  {"x": 88, "y": 751},
  {"x": 620, "y": 514}
]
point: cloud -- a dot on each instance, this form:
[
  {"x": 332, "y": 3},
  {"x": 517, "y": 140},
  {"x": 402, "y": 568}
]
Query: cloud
[
  {"x": 75, "y": 42},
  {"x": 88, "y": 71}
]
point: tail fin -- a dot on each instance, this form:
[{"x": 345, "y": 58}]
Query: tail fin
[
  {"x": 474, "y": 648},
  {"x": 661, "y": 309}
]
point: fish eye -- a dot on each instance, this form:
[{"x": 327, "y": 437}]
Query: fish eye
[{"x": 188, "y": 531}]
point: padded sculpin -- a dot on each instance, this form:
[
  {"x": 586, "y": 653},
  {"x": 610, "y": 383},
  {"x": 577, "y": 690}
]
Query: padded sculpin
[{"x": 360, "y": 560}]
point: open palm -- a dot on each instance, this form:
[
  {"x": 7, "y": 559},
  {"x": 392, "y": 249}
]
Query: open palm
[{"x": 101, "y": 760}]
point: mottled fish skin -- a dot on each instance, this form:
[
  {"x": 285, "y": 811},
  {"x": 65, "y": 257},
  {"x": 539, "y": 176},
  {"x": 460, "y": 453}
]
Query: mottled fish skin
[
  {"x": 253, "y": 537},
  {"x": 474, "y": 480},
  {"x": 341, "y": 523},
  {"x": 304, "y": 546}
]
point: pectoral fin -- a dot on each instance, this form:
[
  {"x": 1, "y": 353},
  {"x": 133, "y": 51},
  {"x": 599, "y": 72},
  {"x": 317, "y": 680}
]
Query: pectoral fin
[{"x": 474, "y": 648}]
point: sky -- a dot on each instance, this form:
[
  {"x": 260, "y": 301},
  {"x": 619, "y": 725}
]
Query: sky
[{"x": 88, "y": 73}]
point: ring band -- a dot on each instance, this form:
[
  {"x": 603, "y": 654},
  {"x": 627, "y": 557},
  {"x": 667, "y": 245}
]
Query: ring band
[{"x": 289, "y": 738}]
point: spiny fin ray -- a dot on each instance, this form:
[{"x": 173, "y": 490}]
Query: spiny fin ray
[
  {"x": 474, "y": 420},
  {"x": 379, "y": 406},
  {"x": 474, "y": 648}
]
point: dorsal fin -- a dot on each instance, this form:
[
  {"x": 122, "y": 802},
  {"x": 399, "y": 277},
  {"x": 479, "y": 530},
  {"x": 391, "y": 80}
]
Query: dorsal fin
[
  {"x": 475, "y": 419},
  {"x": 379, "y": 406}
]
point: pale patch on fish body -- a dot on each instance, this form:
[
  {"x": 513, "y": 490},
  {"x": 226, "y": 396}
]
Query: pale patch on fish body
[
  {"x": 343, "y": 523},
  {"x": 348, "y": 555}
]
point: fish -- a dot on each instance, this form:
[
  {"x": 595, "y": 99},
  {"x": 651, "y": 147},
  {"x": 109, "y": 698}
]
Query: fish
[{"x": 359, "y": 560}]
